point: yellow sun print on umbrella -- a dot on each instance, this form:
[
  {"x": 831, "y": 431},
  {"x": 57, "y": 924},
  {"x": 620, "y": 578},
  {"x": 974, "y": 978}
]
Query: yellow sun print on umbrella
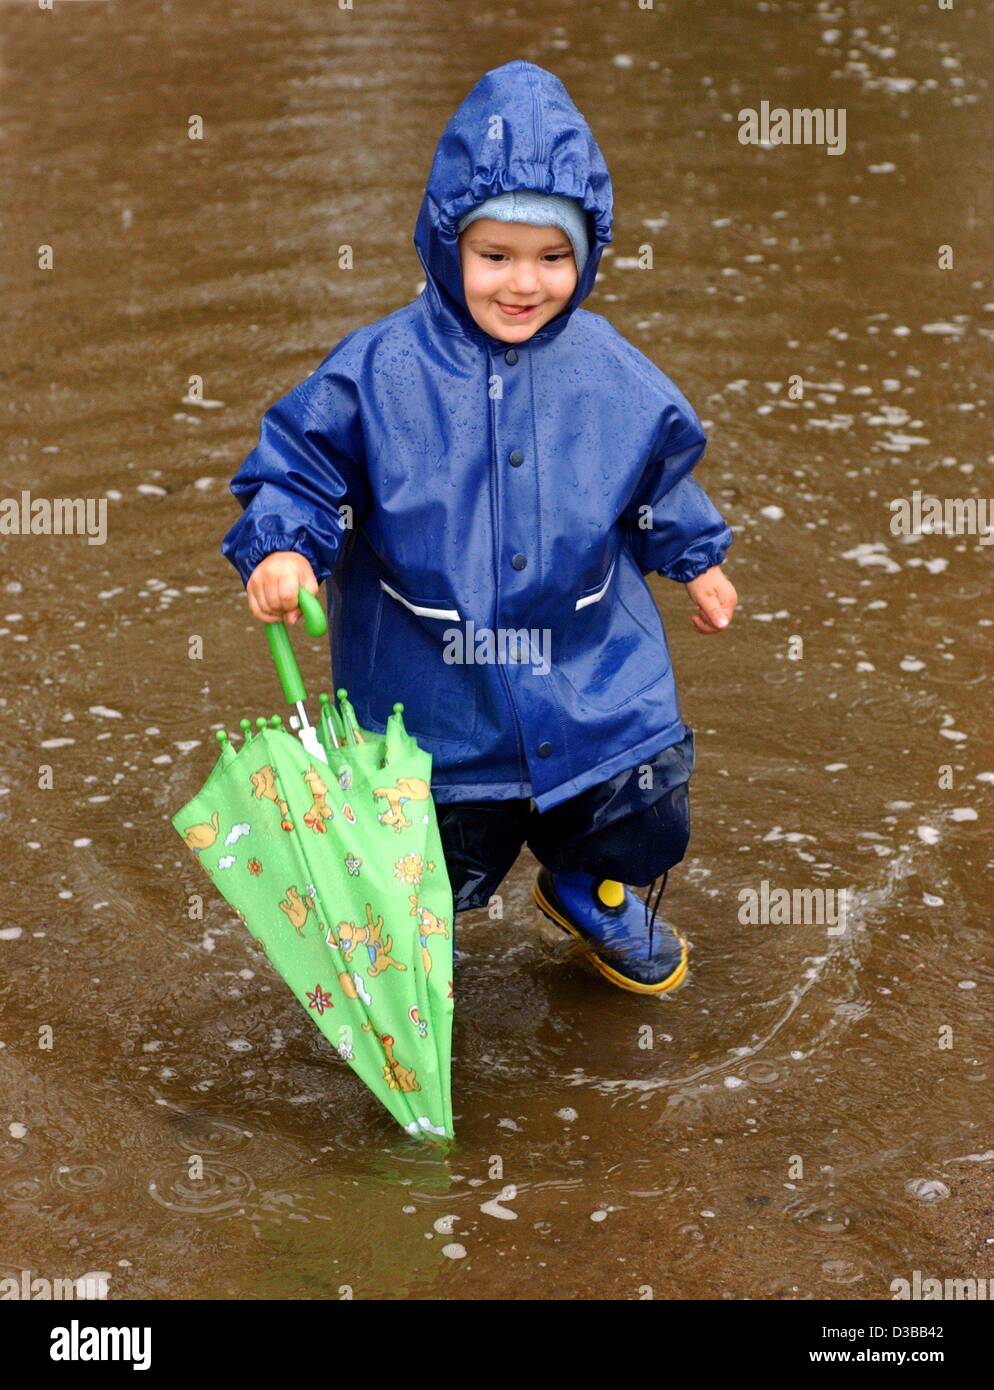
[{"x": 409, "y": 868}]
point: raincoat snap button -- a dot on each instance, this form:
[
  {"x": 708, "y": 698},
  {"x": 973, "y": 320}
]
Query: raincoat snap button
[
  {"x": 511, "y": 356},
  {"x": 518, "y": 561},
  {"x": 516, "y": 458},
  {"x": 544, "y": 749}
]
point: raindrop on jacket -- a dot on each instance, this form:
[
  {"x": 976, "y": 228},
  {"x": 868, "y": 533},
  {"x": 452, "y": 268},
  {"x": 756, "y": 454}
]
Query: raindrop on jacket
[{"x": 502, "y": 600}]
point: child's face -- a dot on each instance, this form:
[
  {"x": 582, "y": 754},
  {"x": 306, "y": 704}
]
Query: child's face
[{"x": 508, "y": 264}]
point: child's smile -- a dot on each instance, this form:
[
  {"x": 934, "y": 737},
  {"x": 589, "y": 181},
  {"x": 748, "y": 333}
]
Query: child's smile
[{"x": 515, "y": 277}]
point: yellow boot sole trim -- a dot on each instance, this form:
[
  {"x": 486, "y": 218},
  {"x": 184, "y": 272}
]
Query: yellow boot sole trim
[{"x": 606, "y": 970}]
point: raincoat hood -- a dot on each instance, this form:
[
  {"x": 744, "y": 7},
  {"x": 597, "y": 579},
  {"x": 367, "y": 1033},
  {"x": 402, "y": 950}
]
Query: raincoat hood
[{"x": 517, "y": 129}]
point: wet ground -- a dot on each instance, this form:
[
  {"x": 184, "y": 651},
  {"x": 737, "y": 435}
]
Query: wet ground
[{"x": 810, "y": 1115}]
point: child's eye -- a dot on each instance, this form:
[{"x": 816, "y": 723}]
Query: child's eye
[{"x": 554, "y": 256}]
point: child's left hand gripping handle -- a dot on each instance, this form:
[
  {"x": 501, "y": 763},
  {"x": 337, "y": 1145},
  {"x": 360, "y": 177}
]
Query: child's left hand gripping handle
[{"x": 282, "y": 650}]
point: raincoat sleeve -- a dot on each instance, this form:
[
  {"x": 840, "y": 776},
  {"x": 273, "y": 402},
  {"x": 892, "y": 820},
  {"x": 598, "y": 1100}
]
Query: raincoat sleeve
[
  {"x": 309, "y": 461},
  {"x": 674, "y": 528}
]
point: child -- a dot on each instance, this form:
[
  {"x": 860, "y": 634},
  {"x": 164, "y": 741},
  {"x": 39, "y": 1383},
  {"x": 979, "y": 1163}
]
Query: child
[{"x": 485, "y": 476}]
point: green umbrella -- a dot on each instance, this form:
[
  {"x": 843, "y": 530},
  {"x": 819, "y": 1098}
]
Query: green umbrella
[{"x": 326, "y": 844}]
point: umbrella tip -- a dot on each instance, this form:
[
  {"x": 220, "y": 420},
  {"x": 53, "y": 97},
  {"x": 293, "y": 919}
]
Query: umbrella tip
[
  {"x": 276, "y": 722},
  {"x": 260, "y": 723},
  {"x": 246, "y": 727},
  {"x": 342, "y": 693},
  {"x": 398, "y": 708},
  {"x": 323, "y": 698},
  {"x": 221, "y": 736}
]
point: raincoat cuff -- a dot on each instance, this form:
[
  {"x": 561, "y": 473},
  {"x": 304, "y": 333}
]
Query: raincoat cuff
[
  {"x": 699, "y": 557},
  {"x": 266, "y": 545}
]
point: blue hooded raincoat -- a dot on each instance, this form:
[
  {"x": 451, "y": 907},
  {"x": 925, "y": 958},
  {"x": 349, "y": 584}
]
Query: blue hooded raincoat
[{"x": 493, "y": 490}]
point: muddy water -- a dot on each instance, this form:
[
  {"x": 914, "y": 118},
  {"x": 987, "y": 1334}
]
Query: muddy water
[{"x": 810, "y": 1115}]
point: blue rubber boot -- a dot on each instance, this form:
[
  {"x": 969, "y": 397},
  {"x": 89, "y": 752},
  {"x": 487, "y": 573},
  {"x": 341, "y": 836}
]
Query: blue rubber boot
[{"x": 631, "y": 948}]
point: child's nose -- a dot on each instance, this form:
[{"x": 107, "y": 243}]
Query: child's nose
[{"x": 524, "y": 278}]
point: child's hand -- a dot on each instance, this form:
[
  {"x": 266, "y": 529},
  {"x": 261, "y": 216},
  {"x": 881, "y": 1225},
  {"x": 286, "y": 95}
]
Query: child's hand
[
  {"x": 274, "y": 583},
  {"x": 715, "y": 598}
]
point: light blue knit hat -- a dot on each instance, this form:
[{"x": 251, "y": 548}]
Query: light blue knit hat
[{"x": 538, "y": 210}]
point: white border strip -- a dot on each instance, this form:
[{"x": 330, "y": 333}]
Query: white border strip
[
  {"x": 595, "y": 598},
  {"x": 418, "y": 608}
]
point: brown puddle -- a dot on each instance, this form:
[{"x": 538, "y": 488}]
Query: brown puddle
[{"x": 864, "y": 1057}]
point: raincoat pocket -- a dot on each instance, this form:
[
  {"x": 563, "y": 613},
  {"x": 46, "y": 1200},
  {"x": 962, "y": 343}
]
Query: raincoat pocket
[
  {"x": 426, "y": 636},
  {"x": 613, "y": 647}
]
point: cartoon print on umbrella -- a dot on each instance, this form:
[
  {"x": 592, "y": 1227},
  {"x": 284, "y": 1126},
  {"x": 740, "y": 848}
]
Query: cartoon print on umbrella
[
  {"x": 201, "y": 837},
  {"x": 397, "y": 797},
  {"x": 319, "y": 811},
  {"x": 297, "y": 906},
  {"x": 429, "y": 925},
  {"x": 369, "y": 936},
  {"x": 264, "y": 786},
  {"x": 397, "y": 1077}
]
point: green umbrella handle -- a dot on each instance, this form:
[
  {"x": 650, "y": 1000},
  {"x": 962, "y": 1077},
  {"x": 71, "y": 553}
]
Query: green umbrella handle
[{"x": 282, "y": 650}]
